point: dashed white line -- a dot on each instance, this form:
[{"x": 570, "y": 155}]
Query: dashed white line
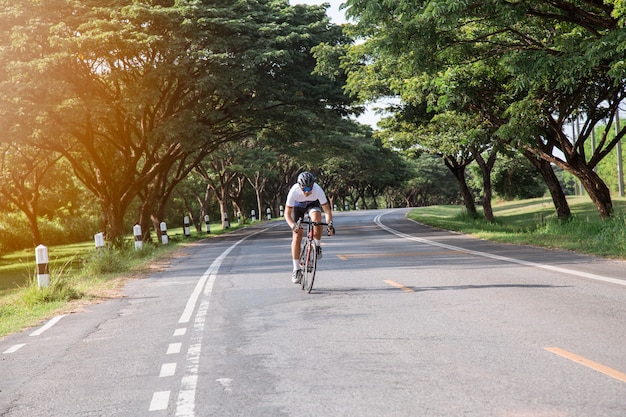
[
  {"x": 48, "y": 325},
  {"x": 160, "y": 400},
  {"x": 14, "y": 348},
  {"x": 226, "y": 383},
  {"x": 37, "y": 332},
  {"x": 174, "y": 348},
  {"x": 167, "y": 369},
  {"x": 185, "y": 406}
]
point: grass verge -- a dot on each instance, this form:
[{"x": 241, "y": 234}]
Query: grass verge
[
  {"x": 79, "y": 275},
  {"x": 533, "y": 222}
]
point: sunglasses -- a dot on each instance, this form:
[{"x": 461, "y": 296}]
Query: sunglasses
[{"x": 307, "y": 189}]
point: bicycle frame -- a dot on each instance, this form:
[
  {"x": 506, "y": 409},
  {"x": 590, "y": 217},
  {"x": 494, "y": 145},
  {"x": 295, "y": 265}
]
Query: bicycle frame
[{"x": 308, "y": 254}]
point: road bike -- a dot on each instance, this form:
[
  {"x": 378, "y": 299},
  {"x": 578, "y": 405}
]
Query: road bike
[{"x": 308, "y": 254}]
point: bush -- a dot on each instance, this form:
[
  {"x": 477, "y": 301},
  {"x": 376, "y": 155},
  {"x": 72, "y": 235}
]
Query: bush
[
  {"x": 106, "y": 261},
  {"x": 15, "y": 233},
  {"x": 59, "y": 290},
  {"x": 111, "y": 259}
]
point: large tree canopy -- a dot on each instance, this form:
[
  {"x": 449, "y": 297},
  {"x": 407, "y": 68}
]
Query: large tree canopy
[
  {"x": 556, "y": 59},
  {"x": 135, "y": 94}
]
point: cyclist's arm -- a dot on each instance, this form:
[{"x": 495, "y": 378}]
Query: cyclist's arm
[
  {"x": 289, "y": 217},
  {"x": 328, "y": 212}
]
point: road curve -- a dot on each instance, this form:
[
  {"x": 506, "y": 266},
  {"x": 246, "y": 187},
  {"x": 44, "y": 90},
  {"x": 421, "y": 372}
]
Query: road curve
[{"x": 404, "y": 320}]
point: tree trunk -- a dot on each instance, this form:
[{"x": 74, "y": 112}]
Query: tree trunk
[
  {"x": 486, "y": 167},
  {"x": 552, "y": 182},
  {"x": 598, "y": 191},
  {"x": 458, "y": 170},
  {"x": 224, "y": 212},
  {"x": 113, "y": 218},
  {"x": 575, "y": 163},
  {"x": 34, "y": 228}
]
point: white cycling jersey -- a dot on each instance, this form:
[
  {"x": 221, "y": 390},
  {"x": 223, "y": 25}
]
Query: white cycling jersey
[{"x": 296, "y": 197}]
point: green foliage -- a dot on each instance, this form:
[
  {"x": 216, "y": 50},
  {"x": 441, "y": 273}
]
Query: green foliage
[
  {"x": 7, "y": 310},
  {"x": 432, "y": 183},
  {"x": 60, "y": 288},
  {"x": 607, "y": 167},
  {"x": 113, "y": 260},
  {"x": 522, "y": 70},
  {"x": 606, "y": 238},
  {"x": 106, "y": 261},
  {"x": 138, "y": 93},
  {"x": 15, "y": 233},
  {"x": 516, "y": 178},
  {"x": 568, "y": 182}
]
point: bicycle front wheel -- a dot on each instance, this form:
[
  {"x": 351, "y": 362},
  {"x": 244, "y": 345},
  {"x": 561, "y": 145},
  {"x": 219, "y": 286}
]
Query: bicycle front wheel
[
  {"x": 310, "y": 267},
  {"x": 304, "y": 250}
]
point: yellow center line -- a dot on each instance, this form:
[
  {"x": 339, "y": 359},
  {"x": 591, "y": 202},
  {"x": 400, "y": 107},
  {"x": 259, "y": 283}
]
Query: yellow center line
[
  {"x": 345, "y": 257},
  {"x": 395, "y": 284},
  {"x": 620, "y": 376}
]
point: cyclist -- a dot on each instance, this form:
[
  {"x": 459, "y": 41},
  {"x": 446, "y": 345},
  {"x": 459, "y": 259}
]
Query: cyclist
[{"x": 305, "y": 196}]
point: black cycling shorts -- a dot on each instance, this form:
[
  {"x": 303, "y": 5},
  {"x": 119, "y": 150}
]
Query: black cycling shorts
[{"x": 299, "y": 211}]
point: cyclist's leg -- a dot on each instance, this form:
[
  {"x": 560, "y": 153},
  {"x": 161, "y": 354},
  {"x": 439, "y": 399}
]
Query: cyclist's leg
[
  {"x": 296, "y": 274},
  {"x": 295, "y": 245},
  {"x": 315, "y": 213},
  {"x": 296, "y": 240}
]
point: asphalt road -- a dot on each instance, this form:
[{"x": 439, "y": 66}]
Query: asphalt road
[{"x": 403, "y": 320}]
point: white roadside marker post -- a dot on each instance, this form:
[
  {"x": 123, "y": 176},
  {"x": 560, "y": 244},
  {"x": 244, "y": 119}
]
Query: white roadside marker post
[{"x": 43, "y": 271}]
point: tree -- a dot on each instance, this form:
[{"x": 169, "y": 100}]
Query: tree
[
  {"x": 563, "y": 55},
  {"x": 24, "y": 171},
  {"x": 431, "y": 184},
  {"x": 134, "y": 94},
  {"x": 445, "y": 135},
  {"x": 514, "y": 177},
  {"x": 101, "y": 91}
]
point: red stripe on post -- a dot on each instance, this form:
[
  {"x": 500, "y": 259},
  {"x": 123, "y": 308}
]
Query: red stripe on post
[{"x": 42, "y": 269}]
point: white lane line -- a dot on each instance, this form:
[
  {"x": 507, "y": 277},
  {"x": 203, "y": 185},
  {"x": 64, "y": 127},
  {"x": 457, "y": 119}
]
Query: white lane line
[
  {"x": 208, "y": 274},
  {"x": 180, "y": 332},
  {"x": 212, "y": 270},
  {"x": 185, "y": 405},
  {"x": 160, "y": 400},
  {"x": 14, "y": 348},
  {"x": 193, "y": 299},
  {"x": 498, "y": 257},
  {"x": 167, "y": 369},
  {"x": 174, "y": 348},
  {"x": 48, "y": 325}
]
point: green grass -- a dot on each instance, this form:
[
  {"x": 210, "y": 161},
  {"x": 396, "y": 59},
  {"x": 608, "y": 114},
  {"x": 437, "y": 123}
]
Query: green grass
[
  {"x": 18, "y": 268},
  {"x": 534, "y": 222},
  {"x": 79, "y": 274}
]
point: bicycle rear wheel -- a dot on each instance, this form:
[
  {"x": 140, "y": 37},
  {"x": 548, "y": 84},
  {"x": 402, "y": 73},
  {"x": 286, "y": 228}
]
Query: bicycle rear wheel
[{"x": 310, "y": 267}]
